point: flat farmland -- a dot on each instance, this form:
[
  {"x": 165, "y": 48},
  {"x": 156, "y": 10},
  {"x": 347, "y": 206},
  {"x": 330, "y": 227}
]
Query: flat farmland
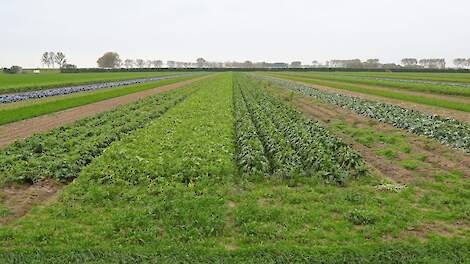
[
  {"x": 247, "y": 167},
  {"x": 13, "y": 83}
]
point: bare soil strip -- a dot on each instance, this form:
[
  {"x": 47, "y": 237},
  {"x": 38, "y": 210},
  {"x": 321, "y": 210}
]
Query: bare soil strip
[
  {"x": 439, "y": 158},
  {"x": 9, "y": 133},
  {"x": 458, "y": 115},
  {"x": 20, "y": 199}
]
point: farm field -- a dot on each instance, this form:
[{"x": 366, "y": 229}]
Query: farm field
[
  {"x": 13, "y": 83},
  {"x": 31, "y": 108},
  {"x": 462, "y": 78},
  {"x": 457, "y": 104},
  {"x": 242, "y": 167},
  {"x": 393, "y": 82}
]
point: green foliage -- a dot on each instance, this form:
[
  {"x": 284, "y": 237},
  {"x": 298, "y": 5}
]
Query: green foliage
[
  {"x": 292, "y": 144},
  {"x": 447, "y": 131},
  {"x": 29, "y": 109},
  {"x": 194, "y": 142},
  {"x": 12, "y": 83},
  {"x": 407, "y": 86},
  {"x": 64, "y": 151},
  {"x": 361, "y": 217},
  {"x": 393, "y": 94},
  {"x": 13, "y": 70}
]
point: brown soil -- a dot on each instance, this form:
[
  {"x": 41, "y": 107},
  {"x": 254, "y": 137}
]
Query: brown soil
[
  {"x": 440, "y": 157},
  {"x": 458, "y": 115},
  {"x": 19, "y": 199},
  {"x": 9, "y": 133}
]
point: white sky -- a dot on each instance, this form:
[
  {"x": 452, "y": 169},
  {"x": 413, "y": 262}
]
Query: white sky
[{"x": 222, "y": 30}]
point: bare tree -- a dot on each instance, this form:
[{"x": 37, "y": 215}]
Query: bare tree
[
  {"x": 51, "y": 58},
  {"x": 45, "y": 59},
  {"x": 128, "y": 63},
  {"x": 149, "y": 63},
  {"x": 409, "y": 62},
  {"x": 140, "y": 63},
  {"x": 460, "y": 62},
  {"x": 157, "y": 63},
  {"x": 59, "y": 58}
]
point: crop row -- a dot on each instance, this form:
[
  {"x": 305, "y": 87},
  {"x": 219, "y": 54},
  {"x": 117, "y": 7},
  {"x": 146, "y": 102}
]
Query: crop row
[
  {"x": 9, "y": 98},
  {"x": 64, "y": 151},
  {"x": 446, "y": 130},
  {"x": 191, "y": 142},
  {"x": 419, "y": 86},
  {"x": 417, "y": 81},
  {"x": 291, "y": 144}
]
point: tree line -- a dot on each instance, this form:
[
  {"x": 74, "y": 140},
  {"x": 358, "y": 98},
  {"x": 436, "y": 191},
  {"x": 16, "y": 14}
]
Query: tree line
[
  {"x": 51, "y": 59},
  {"x": 112, "y": 60}
]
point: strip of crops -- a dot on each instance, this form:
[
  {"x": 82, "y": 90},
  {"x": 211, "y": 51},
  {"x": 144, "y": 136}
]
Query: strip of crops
[
  {"x": 446, "y": 130},
  {"x": 15, "y": 83},
  {"x": 192, "y": 141},
  {"x": 64, "y": 151},
  {"x": 463, "y": 78},
  {"x": 30, "y": 109},
  {"x": 10, "y": 98},
  {"x": 292, "y": 144},
  {"x": 409, "y": 86}
]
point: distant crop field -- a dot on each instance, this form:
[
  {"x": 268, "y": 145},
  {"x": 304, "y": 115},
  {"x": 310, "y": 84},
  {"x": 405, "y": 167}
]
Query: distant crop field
[{"x": 10, "y": 83}]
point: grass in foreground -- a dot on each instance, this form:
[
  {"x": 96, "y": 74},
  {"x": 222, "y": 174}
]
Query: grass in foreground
[
  {"x": 33, "y": 108},
  {"x": 171, "y": 193}
]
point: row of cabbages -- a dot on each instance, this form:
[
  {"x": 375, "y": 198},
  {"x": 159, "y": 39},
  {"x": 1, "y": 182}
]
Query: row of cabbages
[
  {"x": 446, "y": 130},
  {"x": 275, "y": 139},
  {"x": 9, "y": 98}
]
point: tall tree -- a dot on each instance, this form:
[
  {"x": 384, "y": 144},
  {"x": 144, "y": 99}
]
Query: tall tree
[
  {"x": 140, "y": 63},
  {"x": 460, "y": 62},
  {"x": 45, "y": 59},
  {"x": 149, "y": 63},
  {"x": 109, "y": 60},
  {"x": 157, "y": 63},
  {"x": 409, "y": 62},
  {"x": 467, "y": 63},
  {"x": 59, "y": 58},
  {"x": 51, "y": 58},
  {"x": 201, "y": 62},
  {"x": 372, "y": 63},
  {"x": 128, "y": 63}
]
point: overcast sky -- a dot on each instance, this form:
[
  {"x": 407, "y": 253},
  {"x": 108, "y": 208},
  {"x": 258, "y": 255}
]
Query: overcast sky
[{"x": 223, "y": 30}]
